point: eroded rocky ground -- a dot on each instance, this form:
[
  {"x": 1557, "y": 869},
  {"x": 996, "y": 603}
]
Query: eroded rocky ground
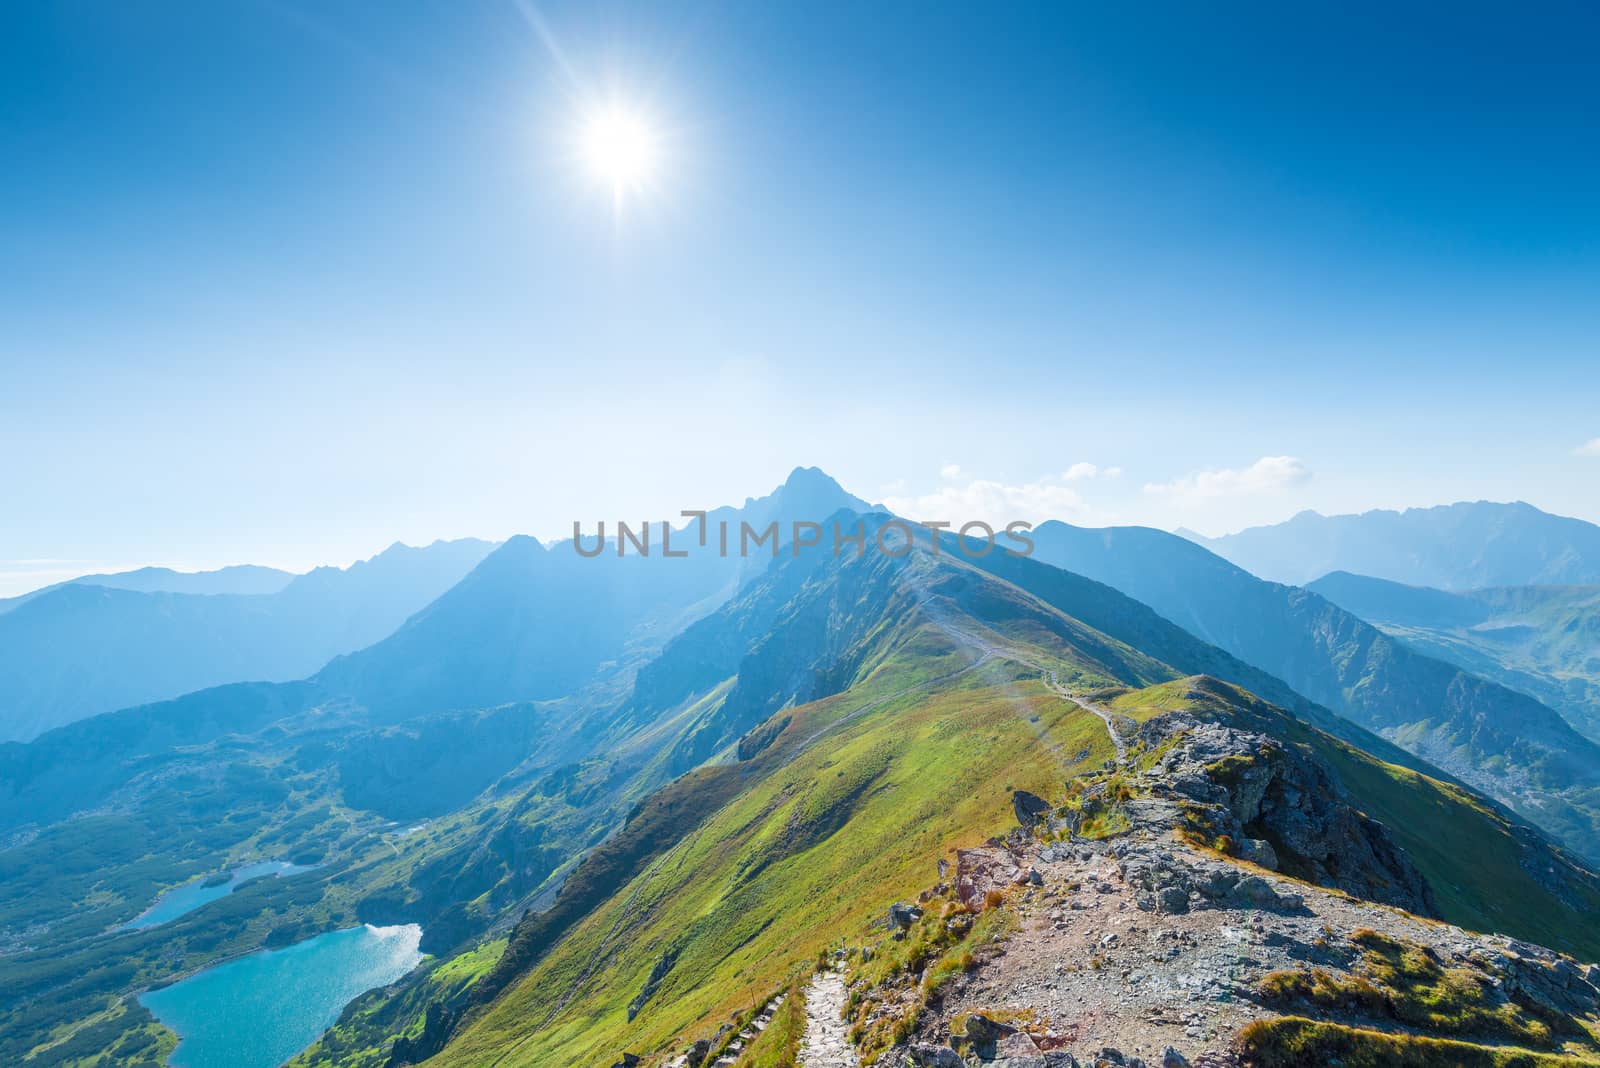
[
  {"x": 1138, "y": 946},
  {"x": 1089, "y": 969}
]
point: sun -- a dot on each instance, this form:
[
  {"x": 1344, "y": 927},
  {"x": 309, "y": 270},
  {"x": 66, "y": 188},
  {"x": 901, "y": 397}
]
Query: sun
[{"x": 620, "y": 148}]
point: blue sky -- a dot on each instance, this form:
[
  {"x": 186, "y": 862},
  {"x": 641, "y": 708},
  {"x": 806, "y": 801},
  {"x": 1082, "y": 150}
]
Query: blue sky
[{"x": 285, "y": 281}]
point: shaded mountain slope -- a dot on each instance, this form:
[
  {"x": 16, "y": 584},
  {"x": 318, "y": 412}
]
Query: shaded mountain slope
[
  {"x": 1500, "y": 741},
  {"x": 534, "y": 621},
  {"x": 75, "y": 767},
  {"x": 525, "y": 624},
  {"x": 1541, "y": 640},
  {"x": 1381, "y": 601},
  {"x": 1469, "y": 545}
]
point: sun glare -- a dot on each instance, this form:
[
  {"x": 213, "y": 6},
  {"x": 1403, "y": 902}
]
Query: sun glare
[{"x": 620, "y": 149}]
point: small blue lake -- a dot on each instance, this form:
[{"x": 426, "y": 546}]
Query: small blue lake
[
  {"x": 260, "y": 1010},
  {"x": 190, "y": 896}
]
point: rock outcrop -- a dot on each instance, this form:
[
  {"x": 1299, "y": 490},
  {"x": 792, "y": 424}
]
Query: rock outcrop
[{"x": 1282, "y": 808}]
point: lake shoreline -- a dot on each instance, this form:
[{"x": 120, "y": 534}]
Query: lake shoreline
[{"x": 261, "y": 1008}]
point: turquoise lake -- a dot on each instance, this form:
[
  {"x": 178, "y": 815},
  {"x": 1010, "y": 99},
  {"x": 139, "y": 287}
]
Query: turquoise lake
[
  {"x": 190, "y": 896},
  {"x": 260, "y": 1010}
]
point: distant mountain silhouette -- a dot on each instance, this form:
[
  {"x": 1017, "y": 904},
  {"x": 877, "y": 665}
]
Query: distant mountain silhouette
[
  {"x": 237, "y": 578},
  {"x": 1452, "y": 547},
  {"x": 527, "y": 621},
  {"x": 80, "y": 649}
]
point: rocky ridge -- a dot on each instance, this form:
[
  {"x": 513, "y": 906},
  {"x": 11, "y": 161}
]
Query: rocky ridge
[{"x": 1152, "y": 917}]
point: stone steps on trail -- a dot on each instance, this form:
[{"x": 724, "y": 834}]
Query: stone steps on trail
[
  {"x": 826, "y": 1043},
  {"x": 730, "y": 1056}
]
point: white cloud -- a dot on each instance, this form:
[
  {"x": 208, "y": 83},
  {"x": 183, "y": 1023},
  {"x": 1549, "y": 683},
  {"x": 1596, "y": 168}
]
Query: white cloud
[
  {"x": 1080, "y": 470},
  {"x": 1588, "y": 448},
  {"x": 1270, "y": 474},
  {"x": 950, "y": 471},
  {"x": 996, "y": 503}
]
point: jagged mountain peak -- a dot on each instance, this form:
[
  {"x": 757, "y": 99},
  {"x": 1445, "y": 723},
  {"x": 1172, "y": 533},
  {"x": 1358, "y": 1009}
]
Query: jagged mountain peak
[
  {"x": 535, "y": 621},
  {"x": 808, "y": 493}
]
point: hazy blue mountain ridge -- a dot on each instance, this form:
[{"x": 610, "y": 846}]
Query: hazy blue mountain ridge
[
  {"x": 78, "y": 649},
  {"x": 1462, "y": 546},
  {"x": 236, "y": 578},
  {"x": 533, "y": 622}
]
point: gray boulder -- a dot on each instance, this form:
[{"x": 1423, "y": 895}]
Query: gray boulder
[
  {"x": 926, "y": 1056},
  {"x": 903, "y": 914},
  {"x": 1030, "y": 808}
]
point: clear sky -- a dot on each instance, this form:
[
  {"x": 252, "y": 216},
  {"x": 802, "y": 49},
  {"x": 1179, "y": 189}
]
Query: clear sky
[{"x": 285, "y": 281}]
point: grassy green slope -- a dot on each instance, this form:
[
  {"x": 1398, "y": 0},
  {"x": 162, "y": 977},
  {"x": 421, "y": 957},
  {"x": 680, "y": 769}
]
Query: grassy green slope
[
  {"x": 814, "y": 846},
  {"x": 818, "y": 844},
  {"x": 808, "y": 629}
]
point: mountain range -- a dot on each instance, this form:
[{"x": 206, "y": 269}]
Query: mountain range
[
  {"x": 84, "y": 647},
  {"x": 238, "y": 578},
  {"x": 535, "y": 621},
  {"x": 923, "y": 807},
  {"x": 1464, "y": 546}
]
